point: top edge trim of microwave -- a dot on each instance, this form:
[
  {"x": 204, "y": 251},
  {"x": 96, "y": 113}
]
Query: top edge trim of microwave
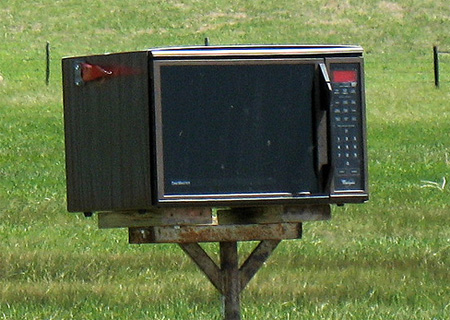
[{"x": 252, "y": 50}]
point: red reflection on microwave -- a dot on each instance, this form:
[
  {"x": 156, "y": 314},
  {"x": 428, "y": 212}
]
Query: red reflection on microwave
[{"x": 93, "y": 72}]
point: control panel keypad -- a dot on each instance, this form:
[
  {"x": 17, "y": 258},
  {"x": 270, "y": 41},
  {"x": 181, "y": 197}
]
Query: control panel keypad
[{"x": 346, "y": 118}]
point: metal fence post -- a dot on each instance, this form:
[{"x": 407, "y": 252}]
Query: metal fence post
[
  {"x": 436, "y": 66},
  {"x": 47, "y": 60}
]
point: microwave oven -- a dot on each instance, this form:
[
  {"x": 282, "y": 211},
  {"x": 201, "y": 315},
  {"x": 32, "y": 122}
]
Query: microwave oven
[{"x": 234, "y": 126}]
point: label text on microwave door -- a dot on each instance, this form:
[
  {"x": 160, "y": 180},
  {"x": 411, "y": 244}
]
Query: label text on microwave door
[
  {"x": 348, "y": 182},
  {"x": 180, "y": 183}
]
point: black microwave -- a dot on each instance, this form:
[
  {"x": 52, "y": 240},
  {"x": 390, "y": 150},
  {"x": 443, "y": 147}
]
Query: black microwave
[{"x": 233, "y": 126}]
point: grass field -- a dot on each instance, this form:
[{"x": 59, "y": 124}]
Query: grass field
[{"x": 387, "y": 259}]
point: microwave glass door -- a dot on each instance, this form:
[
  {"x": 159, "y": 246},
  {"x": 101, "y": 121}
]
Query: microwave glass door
[{"x": 235, "y": 127}]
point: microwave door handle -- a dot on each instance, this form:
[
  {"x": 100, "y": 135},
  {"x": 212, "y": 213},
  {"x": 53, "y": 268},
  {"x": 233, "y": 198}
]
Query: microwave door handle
[
  {"x": 325, "y": 165},
  {"x": 325, "y": 86}
]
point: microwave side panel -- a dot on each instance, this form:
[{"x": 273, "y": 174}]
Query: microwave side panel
[{"x": 107, "y": 133}]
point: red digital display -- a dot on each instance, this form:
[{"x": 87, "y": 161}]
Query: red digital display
[{"x": 345, "y": 76}]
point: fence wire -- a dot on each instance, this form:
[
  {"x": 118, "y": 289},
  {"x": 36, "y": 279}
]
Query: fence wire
[{"x": 433, "y": 69}]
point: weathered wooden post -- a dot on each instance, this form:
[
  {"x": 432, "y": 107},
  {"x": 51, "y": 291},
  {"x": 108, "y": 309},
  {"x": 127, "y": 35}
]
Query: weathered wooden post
[
  {"x": 229, "y": 262},
  {"x": 189, "y": 227}
]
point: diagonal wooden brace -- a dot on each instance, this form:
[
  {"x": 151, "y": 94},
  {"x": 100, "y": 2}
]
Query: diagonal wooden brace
[
  {"x": 216, "y": 275},
  {"x": 204, "y": 262},
  {"x": 256, "y": 260},
  {"x": 230, "y": 279}
]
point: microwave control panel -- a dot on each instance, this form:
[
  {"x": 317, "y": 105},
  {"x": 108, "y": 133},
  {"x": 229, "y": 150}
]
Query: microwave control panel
[{"x": 346, "y": 125}]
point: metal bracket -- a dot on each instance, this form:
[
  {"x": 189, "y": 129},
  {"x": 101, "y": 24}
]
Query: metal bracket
[{"x": 78, "y": 73}]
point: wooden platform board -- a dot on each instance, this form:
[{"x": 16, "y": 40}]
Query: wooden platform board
[
  {"x": 187, "y": 225},
  {"x": 208, "y": 216}
]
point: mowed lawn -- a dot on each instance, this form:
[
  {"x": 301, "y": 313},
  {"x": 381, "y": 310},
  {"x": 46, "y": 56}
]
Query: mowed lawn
[{"x": 387, "y": 259}]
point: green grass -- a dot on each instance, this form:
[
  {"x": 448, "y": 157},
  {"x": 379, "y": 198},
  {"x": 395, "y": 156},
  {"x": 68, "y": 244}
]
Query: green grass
[{"x": 387, "y": 259}]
